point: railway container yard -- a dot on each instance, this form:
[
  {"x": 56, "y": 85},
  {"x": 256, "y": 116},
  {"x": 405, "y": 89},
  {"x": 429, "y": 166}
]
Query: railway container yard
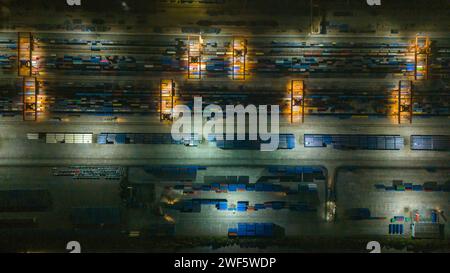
[{"x": 102, "y": 138}]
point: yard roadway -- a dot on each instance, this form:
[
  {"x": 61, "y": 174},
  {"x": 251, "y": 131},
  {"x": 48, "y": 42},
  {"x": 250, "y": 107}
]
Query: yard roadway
[{"x": 16, "y": 149}]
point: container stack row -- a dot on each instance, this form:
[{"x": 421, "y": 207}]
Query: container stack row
[
  {"x": 251, "y": 230},
  {"x": 430, "y": 142},
  {"x": 286, "y": 141},
  {"x": 224, "y": 187},
  {"x": 148, "y": 138},
  {"x": 360, "y": 142},
  {"x": 431, "y": 186}
]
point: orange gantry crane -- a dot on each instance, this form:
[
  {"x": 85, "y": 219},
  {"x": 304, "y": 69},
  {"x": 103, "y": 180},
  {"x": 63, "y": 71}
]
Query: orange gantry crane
[
  {"x": 297, "y": 100},
  {"x": 25, "y": 54},
  {"x": 239, "y": 58},
  {"x": 30, "y": 89},
  {"x": 421, "y": 57},
  {"x": 405, "y": 101},
  {"x": 166, "y": 99},
  {"x": 194, "y": 58},
  {"x": 30, "y": 86}
]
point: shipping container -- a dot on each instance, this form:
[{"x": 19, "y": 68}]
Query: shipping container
[
  {"x": 430, "y": 142},
  {"x": 357, "y": 142},
  {"x": 286, "y": 141}
]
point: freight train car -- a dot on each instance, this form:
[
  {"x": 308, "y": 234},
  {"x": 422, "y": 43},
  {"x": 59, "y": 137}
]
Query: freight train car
[
  {"x": 147, "y": 138},
  {"x": 356, "y": 142},
  {"x": 430, "y": 143},
  {"x": 286, "y": 141}
]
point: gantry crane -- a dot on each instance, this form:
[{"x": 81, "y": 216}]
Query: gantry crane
[
  {"x": 194, "y": 58},
  {"x": 166, "y": 99},
  {"x": 30, "y": 86},
  {"x": 405, "y": 101},
  {"x": 239, "y": 58},
  {"x": 25, "y": 54},
  {"x": 297, "y": 100},
  {"x": 421, "y": 57}
]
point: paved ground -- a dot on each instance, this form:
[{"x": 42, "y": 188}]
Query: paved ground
[
  {"x": 211, "y": 221},
  {"x": 66, "y": 193},
  {"x": 356, "y": 189}
]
